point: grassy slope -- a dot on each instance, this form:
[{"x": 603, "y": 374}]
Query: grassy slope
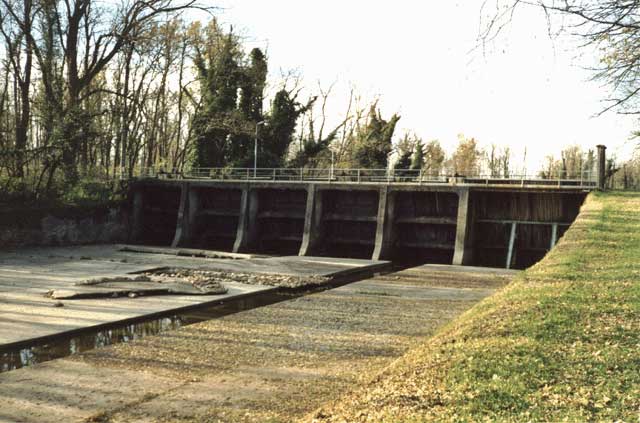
[{"x": 562, "y": 342}]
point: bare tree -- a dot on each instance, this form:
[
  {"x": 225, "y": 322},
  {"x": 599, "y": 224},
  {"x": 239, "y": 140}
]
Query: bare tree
[{"x": 609, "y": 27}]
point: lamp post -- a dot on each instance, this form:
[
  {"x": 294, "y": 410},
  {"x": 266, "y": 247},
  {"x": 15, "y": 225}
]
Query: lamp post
[
  {"x": 255, "y": 150},
  {"x": 332, "y": 160}
]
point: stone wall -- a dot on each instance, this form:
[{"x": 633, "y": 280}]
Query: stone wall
[{"x": 63, "y": 226}]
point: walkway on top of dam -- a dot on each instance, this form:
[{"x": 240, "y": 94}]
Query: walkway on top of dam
[{"x": 584, "y": 181}]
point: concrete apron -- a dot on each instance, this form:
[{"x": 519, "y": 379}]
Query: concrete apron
[
  {"x": 27, "y": 316},
  {"x": 390, "y": 313}
]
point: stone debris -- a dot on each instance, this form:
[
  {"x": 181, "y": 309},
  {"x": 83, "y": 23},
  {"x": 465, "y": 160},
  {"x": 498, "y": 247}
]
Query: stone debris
[
  {"x": 101, "y": 281},
  {"x": 206, "y": 277},
  {"x": 138, "y": 286},
  {"x": 177, "y": 281}
]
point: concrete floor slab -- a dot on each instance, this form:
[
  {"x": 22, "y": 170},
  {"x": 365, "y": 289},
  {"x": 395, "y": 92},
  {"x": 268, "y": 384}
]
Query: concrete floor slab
[
  {"x": 27, "y": 274},
  {"x": 273, "y": 363}
]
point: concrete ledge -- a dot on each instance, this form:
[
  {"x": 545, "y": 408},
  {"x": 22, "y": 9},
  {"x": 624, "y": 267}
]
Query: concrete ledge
[{"x": 27, "y": 316}]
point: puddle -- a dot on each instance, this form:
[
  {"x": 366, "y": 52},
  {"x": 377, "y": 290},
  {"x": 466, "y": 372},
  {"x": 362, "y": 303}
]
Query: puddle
[{"x": 60, "y": 346}]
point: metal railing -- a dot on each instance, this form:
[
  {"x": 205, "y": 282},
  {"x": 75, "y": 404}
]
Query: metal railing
[{"x": 586, "y": 179}]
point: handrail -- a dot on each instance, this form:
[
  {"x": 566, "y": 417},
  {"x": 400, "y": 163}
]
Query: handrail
[{"x": 585, "y": 179}]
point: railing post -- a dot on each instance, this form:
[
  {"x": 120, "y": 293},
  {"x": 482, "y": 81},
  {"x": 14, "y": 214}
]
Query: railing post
[
  {"x": 358, "y": 175},
  {"x": 274, "y": 174},
  {"x": 420, "y": 177},
  {"x": 248, "y": 174},
  {"x": 301, "y": 174}
]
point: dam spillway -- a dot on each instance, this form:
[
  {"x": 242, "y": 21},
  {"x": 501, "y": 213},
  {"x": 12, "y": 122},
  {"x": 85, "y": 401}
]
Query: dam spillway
[{"x": 477, "y": 224}]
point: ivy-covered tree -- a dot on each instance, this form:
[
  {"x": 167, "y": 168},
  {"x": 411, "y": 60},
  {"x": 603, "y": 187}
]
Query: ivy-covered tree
[
  {"x": 280, "y": 125},
  {"x": 374, "y": 141},
  {"x": 253, "y": 79},
  {"x": 232, "y": 97},
  {"x": 404, "y": 149},
  {"x": 217, "y": 59},
  {"x": 417, "y": 161}
]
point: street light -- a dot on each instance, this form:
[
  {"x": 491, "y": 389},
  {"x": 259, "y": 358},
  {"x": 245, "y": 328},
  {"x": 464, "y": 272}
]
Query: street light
[
  {"x": 331, "y": 173},
  {"x": 255, "y": 150}
]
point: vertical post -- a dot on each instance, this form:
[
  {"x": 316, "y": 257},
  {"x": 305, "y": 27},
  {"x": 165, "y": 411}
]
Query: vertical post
[
  {"x": 358, "y": 175},
  {"x": 463, "y": 253},
  {"x": 512, "y": 239},
  {"x": 182, "y": 223},
  {"x": 247, "y": 221},
  {"x": 581, "y": 175},
  {"x": 312, "y": 221},
  {"x": 332, "y": 160},
  {"x": 384, "y": 228},
  {"x": 554, "y": 235},
  {"x": 602, "y": 163}
]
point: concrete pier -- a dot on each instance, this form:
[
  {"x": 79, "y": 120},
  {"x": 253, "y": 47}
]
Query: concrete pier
[
  {"x": 247, "y": 222},
  {"x": 441, "y": 223},
  {"x": 182, "y": 226},
  {"x": 312, "y": 221},
  {"x": 463, "y": 253},
  {"x": 384, "y": 229}
]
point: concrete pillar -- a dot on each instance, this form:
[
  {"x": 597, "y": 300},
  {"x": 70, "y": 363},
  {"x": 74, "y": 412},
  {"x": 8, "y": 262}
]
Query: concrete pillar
[
  {"x": 554, "y": 235},
  {"x": 312, "y": 222},
  {"x": 137, "y": 216},
  {"x": 602, "y": 164},
  {"x": 463, "y": 254},
  {"x": 384, "y": 228},
  {"x": 512, "y": 240},
  {"x": 247, "y": 221},
  {"x": 181, "y": 221},
  {"x": 186, "y": 216}
]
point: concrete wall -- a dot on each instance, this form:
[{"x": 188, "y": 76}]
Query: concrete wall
[
  {"x": 63, "y": 226},
  {"x": 436, "y": 224}
]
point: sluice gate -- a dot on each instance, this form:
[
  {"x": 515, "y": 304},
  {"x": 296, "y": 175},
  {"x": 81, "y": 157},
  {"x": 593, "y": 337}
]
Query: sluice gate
[{"x": 496, "y": 226}]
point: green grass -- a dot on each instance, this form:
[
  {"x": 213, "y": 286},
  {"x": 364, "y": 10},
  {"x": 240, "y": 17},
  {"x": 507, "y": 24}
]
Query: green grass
[{"x": 560, "y": 343}]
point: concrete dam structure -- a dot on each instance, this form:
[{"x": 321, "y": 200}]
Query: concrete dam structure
[{"x": 509, "y": 226}]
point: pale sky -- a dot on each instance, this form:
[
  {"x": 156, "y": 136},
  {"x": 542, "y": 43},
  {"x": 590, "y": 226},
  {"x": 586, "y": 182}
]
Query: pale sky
[{"x": 419, "y": 57}]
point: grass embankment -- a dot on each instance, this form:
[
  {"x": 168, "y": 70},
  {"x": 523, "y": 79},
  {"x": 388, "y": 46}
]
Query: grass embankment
[{"x": 561, "y": 343}]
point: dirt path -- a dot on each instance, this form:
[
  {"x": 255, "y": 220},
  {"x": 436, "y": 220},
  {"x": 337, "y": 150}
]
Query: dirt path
[{"x": 275, "y": 363}]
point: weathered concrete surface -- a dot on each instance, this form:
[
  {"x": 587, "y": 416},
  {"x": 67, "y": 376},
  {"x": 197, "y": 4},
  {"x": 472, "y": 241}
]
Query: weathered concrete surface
[
  {"x": 312, "y": 220},
  {"x": 274, "y": 363},
  {"x": 58, "y": 227},
  {"x": 384, "y": 229},
  {"x": 464, "y": 235},
  {"x": 26, "y": 276},
  {"x": 247, "y": 221}
]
